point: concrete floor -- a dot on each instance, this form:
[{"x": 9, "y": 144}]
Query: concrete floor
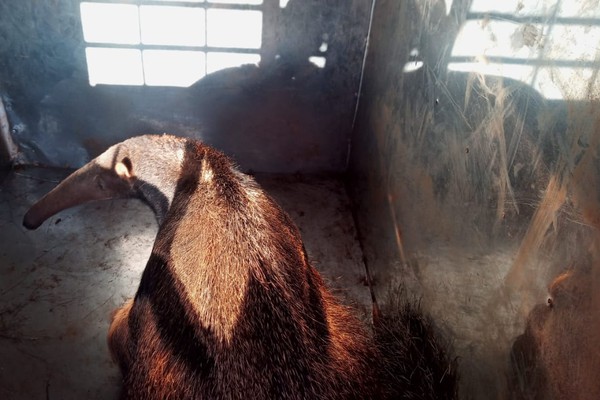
[{"x": 59, "y": 284}]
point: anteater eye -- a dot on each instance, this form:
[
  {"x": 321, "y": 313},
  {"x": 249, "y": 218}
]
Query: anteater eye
[{"x": 127, "y": 163}]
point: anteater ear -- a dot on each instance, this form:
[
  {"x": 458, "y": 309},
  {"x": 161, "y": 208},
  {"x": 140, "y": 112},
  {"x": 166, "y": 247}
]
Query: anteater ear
[{"x": 124, "y": 168}]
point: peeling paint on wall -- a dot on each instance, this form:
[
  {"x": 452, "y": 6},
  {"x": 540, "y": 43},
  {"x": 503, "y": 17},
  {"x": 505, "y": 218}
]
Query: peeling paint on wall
[{"x": 285, "y": 114}]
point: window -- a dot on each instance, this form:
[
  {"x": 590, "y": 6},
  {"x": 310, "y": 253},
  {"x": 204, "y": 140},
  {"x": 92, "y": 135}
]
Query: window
[
  {"x": 552, "y": 49},
  {"x": 156, "y": 43}
]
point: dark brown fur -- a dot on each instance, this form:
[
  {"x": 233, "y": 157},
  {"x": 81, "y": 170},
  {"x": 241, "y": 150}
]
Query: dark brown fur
[
  {"x": 228, "y": 306},
  {"x": 557, "y": 356}
]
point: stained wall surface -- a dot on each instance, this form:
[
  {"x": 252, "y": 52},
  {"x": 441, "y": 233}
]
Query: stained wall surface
[
  {"x": 284, "y": 114},
  {"x": 474, "y": 168}
]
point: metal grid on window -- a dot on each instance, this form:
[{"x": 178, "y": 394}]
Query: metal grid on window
[{"x": 169, "y": 43}]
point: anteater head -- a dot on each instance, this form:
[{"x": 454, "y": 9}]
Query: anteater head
[{"x": 144, "y": 167}]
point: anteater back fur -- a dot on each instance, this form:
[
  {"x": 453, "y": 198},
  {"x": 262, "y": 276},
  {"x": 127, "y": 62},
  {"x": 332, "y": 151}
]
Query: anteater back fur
[{"x": 228, "y": 305}]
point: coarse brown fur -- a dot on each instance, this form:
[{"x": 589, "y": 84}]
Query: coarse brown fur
[
  {"x": 228, "y": 305},
  {"x": 557, "y": 355}
]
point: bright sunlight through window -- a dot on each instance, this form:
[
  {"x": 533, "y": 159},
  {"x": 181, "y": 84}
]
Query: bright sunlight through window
[
  {"x": 169, "y": 45},
  {"x": 553, "y": 50}
]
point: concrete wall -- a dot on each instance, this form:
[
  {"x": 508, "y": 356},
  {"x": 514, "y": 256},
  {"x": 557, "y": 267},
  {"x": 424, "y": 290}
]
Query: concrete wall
[
  {"x": 474, "y": 168},
  {"x": 284, "y": 115}
]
